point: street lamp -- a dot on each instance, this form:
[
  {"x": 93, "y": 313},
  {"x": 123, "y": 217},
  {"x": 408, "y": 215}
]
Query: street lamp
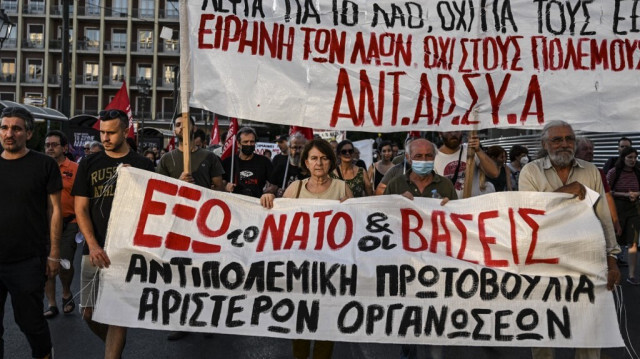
[
  {"x": 5, "y": 27},
  {"x": 143, "y": 92}
]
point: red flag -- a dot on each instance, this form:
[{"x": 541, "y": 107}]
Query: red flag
[
  {"x": 306, "y": 131},
  {"x": 120, "y": 102},
  {"x": 231, "y": 137},
  {"x": 215, "y": 133},
  {"x": 172, "y": 144}
]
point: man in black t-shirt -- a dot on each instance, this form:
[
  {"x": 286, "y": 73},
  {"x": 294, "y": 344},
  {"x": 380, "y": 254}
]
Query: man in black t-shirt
[
  {"x": 287, "y": 172},
  {"x": 250, "y": 172},
  {"x": 94, "y": 188},
  {"x": 283, "y": 144},
  {"x": 31, "y": 217}
]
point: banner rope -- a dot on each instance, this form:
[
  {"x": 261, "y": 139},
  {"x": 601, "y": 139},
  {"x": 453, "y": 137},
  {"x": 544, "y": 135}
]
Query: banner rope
[{"x": 622, "y": 314}]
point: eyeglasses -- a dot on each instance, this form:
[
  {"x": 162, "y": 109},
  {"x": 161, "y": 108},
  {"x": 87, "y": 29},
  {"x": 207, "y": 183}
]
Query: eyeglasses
[
  {"x": 109, "y": 114},
  {"x": 558, "y": 140},
  {"x": 297, "y": 148},
  {"x": 347, "y": 151},
  {"x": 54, "y": 145}
]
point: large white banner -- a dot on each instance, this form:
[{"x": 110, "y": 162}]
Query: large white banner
[
  {"x": 384, "y": 66},
  {"x": 509, "y": 269}
]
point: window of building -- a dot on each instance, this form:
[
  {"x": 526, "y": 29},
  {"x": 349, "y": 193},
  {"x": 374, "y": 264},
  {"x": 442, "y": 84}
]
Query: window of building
[
  {"x": 35, "y": 35},
  {"x": 92, "y": 38},
  {"x": 7, "y": 96},
  {"x": 89, "y": 104},
  {"x": 91, "y": 71},
  {"x": 119, "y": 39},
  {"x": 145, "y": 40},
  {"x": 93, "y": 7},
  {"x": 167, "y": 108},
  {"x": 119, "y": 7},
  {"x": 34, "y": 70},
  {"x": 172, "y": 45},
  {"x": 9, "y": 5},
  {"x": 7, "y": 70},
  {"x": 171, "y": 8},
  {"x": 33, "y": 98},
  {"x": 168, "y": 77},
  {"x": 36, "y": 6},
  {"x": 147, "y": 8},
  {"x": 117, "y": 73},
  {"x": 144, "y": 72}
]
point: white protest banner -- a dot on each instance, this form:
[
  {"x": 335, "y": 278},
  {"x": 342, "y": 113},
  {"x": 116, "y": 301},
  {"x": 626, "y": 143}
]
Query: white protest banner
[
  {"x": 508, "y": 269},
  {"x": 262, "y": 146},
  {"x": 386, "y": 66}
]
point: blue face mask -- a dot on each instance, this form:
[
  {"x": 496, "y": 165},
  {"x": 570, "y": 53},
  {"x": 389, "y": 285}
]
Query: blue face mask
[{"x": 422, "y": 168}]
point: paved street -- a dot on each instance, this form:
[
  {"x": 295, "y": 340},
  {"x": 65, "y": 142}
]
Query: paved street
[{"x": 73, "y": 340}]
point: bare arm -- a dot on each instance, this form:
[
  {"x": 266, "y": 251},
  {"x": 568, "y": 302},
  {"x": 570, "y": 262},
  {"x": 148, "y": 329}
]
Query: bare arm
[
  {"x": 368, "y": 188},
  {"x": 54, "y": 207},
  {"x": 507, "y": 172},
  {"x": 487, "y": 165},
  {"x": 97, "y": 255},
  {"x": 216, "y": 183}
]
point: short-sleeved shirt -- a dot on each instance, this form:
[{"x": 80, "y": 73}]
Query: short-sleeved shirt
[
  {"x": 68, "y": 170},
  {"x": 204, "y": 166},
  {"x": 25, "y": 186},
  {"x": 394, "y": 172},
  {"x": 445, "y": 164},
  {"x": 541, "y": 176},
  {"x": 279, "y": 159},
  {"x": 96, "y": 180},
  {"x": 250, "y": 176},
  {"x": 293, "y": 173},
  {"x": 402, "y": 184}
]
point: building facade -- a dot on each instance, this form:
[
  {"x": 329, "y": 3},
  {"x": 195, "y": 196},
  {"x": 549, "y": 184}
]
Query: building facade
[{"x": 110, "y": 41}]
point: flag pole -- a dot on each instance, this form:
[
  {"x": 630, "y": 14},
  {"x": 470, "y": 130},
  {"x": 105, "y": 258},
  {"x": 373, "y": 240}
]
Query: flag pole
[
  {"x": 471, "y": 160},
  {"x": 184, "y": 85}
]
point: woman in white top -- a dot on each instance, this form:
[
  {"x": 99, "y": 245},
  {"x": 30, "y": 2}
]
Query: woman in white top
[{"x": 318, "y": 160}]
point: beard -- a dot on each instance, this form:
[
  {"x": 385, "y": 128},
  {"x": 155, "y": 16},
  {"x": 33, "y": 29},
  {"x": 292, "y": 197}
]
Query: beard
[
  {"x": 452, "y": 142},
  {"x": 562, "y": 158},
  {"x": 295, "y": 160}
]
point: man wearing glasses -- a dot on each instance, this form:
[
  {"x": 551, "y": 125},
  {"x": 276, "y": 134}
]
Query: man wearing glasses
[
  {"x": 56, "y": 145},
  {"x": 31, "y": 218},
  {"x": 94, "y": 188},
  {"x": 287, "y": 172},
  {"x": 557, "y": 170}
]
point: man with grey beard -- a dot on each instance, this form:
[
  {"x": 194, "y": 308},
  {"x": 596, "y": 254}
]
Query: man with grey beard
[
  {"x": 557, "y": 170},
  {"x": 285, "y": 173}
]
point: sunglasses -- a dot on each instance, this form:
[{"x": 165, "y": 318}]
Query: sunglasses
[
  {"x": 109, "y": 114},
  {"x": 347, "y": 152}
]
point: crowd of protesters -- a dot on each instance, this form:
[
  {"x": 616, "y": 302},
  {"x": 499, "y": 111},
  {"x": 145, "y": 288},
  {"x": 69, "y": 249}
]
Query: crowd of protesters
[{"x": 54, "y": 203}]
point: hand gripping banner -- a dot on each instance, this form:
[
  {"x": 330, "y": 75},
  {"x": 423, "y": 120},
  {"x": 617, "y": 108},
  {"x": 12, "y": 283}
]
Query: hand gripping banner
[{"x": 504, "y": 269}]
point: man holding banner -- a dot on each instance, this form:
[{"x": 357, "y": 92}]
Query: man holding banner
[
  {"x": 94, "y": 189},
  {"x": 559, "y": 171},
  {"x": 247, "y": 173},
  {"x": 421, "y": 181},
  {"x": 206, "y": 169}
]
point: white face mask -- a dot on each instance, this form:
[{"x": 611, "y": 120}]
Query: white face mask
[{"x": 524, "y": 160}]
